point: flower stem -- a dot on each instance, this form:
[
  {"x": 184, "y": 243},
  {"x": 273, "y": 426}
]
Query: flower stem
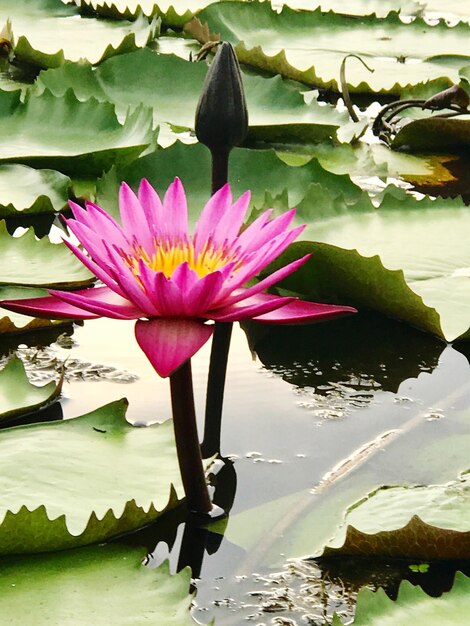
[
  {"x": 187, "y": 442},
  {"x": 219, "y": 168},
  {"x": 215, "y": 388}
]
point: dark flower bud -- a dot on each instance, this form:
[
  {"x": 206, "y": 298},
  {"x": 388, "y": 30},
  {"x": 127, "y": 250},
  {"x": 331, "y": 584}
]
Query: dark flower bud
[{"x": 221, "y": 115}]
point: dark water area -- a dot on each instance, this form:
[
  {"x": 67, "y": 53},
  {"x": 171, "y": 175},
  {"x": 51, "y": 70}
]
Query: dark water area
[{"x": 298, "y": 401}]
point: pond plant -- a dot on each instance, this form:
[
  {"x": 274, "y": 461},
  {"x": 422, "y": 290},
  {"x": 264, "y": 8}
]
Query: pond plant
[{"x": 343, "y": 458}]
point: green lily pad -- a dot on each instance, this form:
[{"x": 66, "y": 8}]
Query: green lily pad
[
  {"x": 173, "y": 13},
  {"x": 454, "y": 9},
  {"x": 310, "y": 46},
  {"x": 13, "y": 323},
  {"x": 76, "y": 138},
  {"x": 31, "y": 262},
  {"x": 99, "y": 585},
  {"x": 413, "y": 606},
  {"x": 18, "y": 396},
  {"x": 55, "y": 498},
  {"x": 26, "y": 190},
  {"x": 271, "y": 181},
  {"x": 408, "y": 259},
  {"x": 434, "y": 134},
  {"x": 277, "y": 107},
  {"x": 47, "y": 32},
  {"x": 431, "y": 522}
]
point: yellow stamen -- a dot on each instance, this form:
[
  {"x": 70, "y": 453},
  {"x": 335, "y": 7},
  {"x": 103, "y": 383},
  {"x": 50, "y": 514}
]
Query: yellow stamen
[{"x": 168, "y": 256}]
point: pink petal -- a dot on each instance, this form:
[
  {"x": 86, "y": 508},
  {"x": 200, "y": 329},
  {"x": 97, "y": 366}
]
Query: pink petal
[
  {"x": 203, "y": 294},
  {"x": 257, "y": 234},
  {"x": 130, "y": 285},
  {"x": 252, "y": 307},
  {"x": 300, "y": 311},
  {"x": 168, "y": 343},
  {"x": 211, "y": 215},
  {"x": 100, "y": 301},
  {"x": 229, "y": 225},
  {"x": 95, "y": 269},
  {"x": 267, "y": 282},
  {"x": 175, "y": 210},
  {"x": 100, "y": 223},
  {"x": 168, "y": 297},
  {"x": 48, "y": 307},
  {"x": 134, "y": 221},
  {"x": 151, "y": 205}
]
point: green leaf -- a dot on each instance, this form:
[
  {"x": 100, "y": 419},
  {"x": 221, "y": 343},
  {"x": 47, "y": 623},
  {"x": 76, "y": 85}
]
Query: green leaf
[
  {"x": 173, "y": 13},
  {"x": 18, "y": 396},
  {"x": 454, "y": 9},
  {"x": 54, "y": 497},
  {"x": 47, "y": 32},
  {"x": 422, "y": 522},
  {"x": 26, "y": 190},
  {"x": 434, "y": 134},
  {"x": 28, "y": 261},
  {"x": 277, "y": 107},
  {"x": 407, "y": 259},
  {"x": 100, "y": 585},
  {"x": 13, "y": 323},
  {"x": 310, "y": 46},
  {"x": 413, "y": 606},
  {"x": 77, "y": 138},
  {"x": 272, "y": 182}
]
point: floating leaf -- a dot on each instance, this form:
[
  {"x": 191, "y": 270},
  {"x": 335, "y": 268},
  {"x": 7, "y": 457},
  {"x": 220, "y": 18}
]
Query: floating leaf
[
  {"x": 454, "y": 9},
  {"x": 431, "y": 522},
  {"x": 77, "y": 138},
  {"x": 434, "y": 134},
  {"x": 173, "y": 13},
  {"x": 26, "y": 190},
  {"x": 310, "y": 46},
  {"x": 277, "y": 107},
  {"x": 99, "y": 585},
  {"x": 18, "y": 396},
  {"x": 28, "y": 261},
  {"x": 53, "y": 495},
  {"x": 47, "y": 32},
  {"x": 413, "y": 606},
  {"x": 272, "y": 182},
  {"x": 423, "y": 279}
]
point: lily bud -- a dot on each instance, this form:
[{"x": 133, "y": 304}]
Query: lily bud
[{"x": 221, "y": 115}]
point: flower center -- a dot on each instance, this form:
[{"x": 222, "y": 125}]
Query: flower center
[{"x": 168, "y": 256}]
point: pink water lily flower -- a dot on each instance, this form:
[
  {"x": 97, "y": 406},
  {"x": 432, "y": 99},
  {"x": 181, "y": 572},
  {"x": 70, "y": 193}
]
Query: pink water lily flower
[{"x": 172, "y": 282}]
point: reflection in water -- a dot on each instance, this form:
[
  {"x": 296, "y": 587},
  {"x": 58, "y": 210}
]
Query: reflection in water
[
  {"x": 36, "y": 339},
  {"x": 347, "y": 361}
]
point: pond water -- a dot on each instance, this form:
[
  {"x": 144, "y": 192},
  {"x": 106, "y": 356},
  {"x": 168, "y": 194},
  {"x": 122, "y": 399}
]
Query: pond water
[{"x": 298, "y": 401}]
